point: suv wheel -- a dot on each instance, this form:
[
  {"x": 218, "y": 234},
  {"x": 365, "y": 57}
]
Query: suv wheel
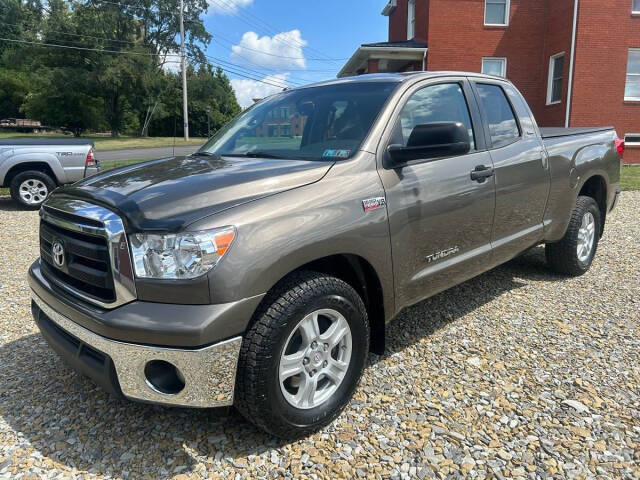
[
  {"x": 302, "y": 359},
  {"x": 574, "y": 254},
  {"x": 31, "y": 188}
]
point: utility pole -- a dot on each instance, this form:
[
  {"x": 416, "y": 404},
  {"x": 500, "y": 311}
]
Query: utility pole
[{"x": 185, "y": 112}]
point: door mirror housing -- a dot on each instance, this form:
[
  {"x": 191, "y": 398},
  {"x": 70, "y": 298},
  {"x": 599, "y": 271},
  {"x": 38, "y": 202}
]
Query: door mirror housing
[{"x": 431, "y": 140}]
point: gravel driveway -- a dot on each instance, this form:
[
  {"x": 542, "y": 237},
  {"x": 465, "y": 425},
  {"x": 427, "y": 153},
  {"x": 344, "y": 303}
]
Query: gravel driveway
[{"x": 517, "y": 373}]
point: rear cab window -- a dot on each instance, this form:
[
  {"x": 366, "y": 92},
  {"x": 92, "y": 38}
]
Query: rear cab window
[{"x": 501, "y": 119}]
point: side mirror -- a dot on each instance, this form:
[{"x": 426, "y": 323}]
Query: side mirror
[{"x": 432, "y": 140}]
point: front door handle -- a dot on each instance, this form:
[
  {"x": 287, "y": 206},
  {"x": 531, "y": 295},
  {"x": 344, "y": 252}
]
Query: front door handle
[{"x": 481, "y": 173}]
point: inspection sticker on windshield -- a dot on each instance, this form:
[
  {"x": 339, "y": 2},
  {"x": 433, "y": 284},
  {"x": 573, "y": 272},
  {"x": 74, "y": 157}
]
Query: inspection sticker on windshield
[{"x": 336, "y": 153}]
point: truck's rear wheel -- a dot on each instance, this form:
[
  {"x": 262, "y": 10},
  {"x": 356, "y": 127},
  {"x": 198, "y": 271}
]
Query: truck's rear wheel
[
  {"x": 574, "y": 254},
  {"x": 31, "y": 188},
  {"x": 302, "y": 359}
]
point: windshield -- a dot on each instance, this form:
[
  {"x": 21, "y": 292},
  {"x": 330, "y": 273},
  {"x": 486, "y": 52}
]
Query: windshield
[{"x": 315, "y": 123}]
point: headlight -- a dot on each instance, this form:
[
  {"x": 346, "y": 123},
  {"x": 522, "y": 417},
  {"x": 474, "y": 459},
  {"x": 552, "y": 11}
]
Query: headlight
[{"x": 181, "y": 255}]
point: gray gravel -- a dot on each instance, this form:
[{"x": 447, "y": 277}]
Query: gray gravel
[{"x": 515, "y": 374}]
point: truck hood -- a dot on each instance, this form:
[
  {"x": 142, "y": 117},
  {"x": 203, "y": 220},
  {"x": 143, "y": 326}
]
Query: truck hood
[{"x": 169, "y": 194}]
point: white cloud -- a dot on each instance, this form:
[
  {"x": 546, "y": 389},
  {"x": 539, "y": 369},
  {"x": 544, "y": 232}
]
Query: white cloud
[
  {"x": 249, "y": 90},
  {"x": 224, "y": 7},
  {"x": 172, "y": 62},
  {"x": 282, "y": 51}
]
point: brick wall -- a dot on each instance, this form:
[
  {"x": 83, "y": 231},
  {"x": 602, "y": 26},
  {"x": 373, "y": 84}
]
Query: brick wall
[
  {"x": 606, "y": 31},
  {"x": 558, "y": 27},
  {"x": 458, "y": 40},
  {"x": 398, "y": 21}
]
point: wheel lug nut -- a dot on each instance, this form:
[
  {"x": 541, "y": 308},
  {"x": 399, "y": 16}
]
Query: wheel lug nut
[
  {"x": 314, "y": 345},
  {"x": 312, "y": 373},
  {"x": 325, "y": 363},
  {"x": 326, "y": 347},
  {"x": 305, "y": 361}
]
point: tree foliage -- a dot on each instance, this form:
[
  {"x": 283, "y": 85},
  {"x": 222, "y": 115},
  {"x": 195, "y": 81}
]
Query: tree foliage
[{"x": 118, "y": 73}]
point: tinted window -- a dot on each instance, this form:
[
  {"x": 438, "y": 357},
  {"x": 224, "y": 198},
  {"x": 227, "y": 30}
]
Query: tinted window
[
  {"x": 436, "y": 103},
  {"x": 502, "y": 121}
]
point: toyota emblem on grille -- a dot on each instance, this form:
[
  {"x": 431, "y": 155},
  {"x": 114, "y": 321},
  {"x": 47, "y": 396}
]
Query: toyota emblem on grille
[{"x": 57, "y": 253}]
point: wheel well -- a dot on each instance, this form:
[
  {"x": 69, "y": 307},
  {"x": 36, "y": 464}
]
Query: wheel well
[
  {"x": 596, "y": 188},
  {"x": 358, "y": 273},
  {"x": 26, "y": 166}
]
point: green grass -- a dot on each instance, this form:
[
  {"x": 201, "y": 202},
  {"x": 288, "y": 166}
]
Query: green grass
[
  {"x": 121, "y": 143},
  {"x": 630, "y": 178}
]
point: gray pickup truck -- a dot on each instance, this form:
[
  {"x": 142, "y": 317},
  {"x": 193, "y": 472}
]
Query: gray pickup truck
[
  {"x": 261, "y": 271},
  {"x": 33, "y": 168}
]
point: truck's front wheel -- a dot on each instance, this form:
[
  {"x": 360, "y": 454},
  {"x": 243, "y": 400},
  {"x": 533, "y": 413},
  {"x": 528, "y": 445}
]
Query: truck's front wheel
[
  {"x": 574, "y": 254},
  {"x": 303, "y": 357}
]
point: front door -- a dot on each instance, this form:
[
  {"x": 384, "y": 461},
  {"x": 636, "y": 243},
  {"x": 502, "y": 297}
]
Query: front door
[{"x": 440, "y": 218}]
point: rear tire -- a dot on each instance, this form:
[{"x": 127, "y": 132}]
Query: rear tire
[
  {"x": 574, "y": 254},
  {"x": 266, "y": 390},
  {"x": 31, "y": 188}
]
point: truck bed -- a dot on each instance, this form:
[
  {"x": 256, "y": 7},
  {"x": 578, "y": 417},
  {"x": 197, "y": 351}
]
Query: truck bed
[{"x": 553, "y": 132}]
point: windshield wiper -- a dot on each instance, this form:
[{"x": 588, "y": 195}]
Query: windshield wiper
[
  {"x": 205, "y": 154},
  {"x": 254, "y": 154}
]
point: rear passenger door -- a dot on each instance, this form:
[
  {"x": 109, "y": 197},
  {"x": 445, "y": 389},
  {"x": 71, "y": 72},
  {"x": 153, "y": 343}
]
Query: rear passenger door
[
  {"x": 521, "y": 169},
  {"x": 440, "y": 218}
]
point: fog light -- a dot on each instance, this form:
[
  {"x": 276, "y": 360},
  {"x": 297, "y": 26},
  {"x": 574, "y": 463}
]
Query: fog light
[{"x": 163, "y": 377}]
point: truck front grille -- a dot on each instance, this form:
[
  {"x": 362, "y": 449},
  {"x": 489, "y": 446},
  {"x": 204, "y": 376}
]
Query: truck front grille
[
  {"x": 84, "y": 251},
  {"x": 86, "y": 266}
]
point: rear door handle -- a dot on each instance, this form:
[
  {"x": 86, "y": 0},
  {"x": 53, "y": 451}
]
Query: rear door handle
[{"x": 481, "y": 173}]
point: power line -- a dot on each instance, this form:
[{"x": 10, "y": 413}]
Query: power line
[
  {"x": 120, "y": 52},
  {"x": 274, "y": 29},
  {"x": 276, "y": 55},
  {"x": 161, "y": 54},
  {"x": 275, "y": 36},
  {"x": 32, "y": 28}
]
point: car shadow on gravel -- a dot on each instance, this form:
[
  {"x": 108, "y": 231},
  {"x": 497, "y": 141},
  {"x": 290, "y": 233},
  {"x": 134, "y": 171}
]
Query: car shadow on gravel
[
  {"x": 71, "y": 421},
  {"x": 447, "y": 307},
  {"x": 8, "y": 204}
]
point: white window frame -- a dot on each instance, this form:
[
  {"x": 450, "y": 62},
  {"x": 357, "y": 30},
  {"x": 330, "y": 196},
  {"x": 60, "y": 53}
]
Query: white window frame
[
  {"x": 552, "y": 65},
  {"x": 500, "y": 59},
  {"x": 631, "y": 99},
  {"x": 629, "y": 143},
  {"x": 411, "y": 19},
  {"x": 633, "y": 7},
  {"x": 507, "y": 13}
]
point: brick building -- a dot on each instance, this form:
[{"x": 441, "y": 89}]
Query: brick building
[{"x": 577, "y": 62}]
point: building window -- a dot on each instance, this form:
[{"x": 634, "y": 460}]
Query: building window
[
  {"x": 636, "y": 7},
  {"x": 632, "y": 89},
  {"x": 496, "y": 12},
  {"x": 411, "y": 20},
  {"x": 494, "y": 66},
  {"x": 554, "y": 85},
  {"x": 632, "y": 139}
]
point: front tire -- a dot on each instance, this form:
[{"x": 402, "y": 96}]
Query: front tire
[
  {"x": 573, "y": 255},
  {"x": 302, "y": 359},
  {"x": 31, "y": 188}
]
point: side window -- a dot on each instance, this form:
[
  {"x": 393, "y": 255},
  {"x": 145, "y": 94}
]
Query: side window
[
  {"x": 436, "y": 103},
  {"x": 503, "y": 126}
]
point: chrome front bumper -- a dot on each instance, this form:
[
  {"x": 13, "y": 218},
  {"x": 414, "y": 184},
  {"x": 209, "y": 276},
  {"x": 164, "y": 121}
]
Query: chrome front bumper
[{"x": 209, "y": 373}]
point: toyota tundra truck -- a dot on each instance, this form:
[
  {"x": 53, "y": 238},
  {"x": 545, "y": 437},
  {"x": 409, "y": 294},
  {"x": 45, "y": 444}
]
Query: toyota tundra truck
[{"x": 262, "y": 270}]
